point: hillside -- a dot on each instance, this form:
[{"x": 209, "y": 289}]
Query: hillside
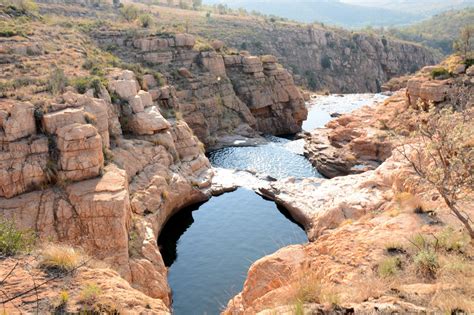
[
  {"x": 438, "y": 32},
  {"x": 426, "y": 7},
  {"x": 320, "y": 57},
  {"x": 328, "y": 11}
]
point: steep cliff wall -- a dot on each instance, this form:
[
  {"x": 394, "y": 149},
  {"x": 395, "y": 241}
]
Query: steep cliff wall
[
  {"x": 218, "y": 95},
  {"x": 319, "y": 57},
  {"x": 324, "y": 58}
]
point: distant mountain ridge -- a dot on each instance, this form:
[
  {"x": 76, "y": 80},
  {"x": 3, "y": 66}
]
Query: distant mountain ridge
[
  {"x": 428, "y": 7},
  {"x": 349, "y": 13},
  {"x": 440, "y": 31}
]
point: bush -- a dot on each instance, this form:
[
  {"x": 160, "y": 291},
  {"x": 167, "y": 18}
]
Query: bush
[
  {"x": 23, "y": 6},
  {"x": 14, "y": 241},
  {"x": 452, "y": 241},
  {"x": 439, "y": 72},
  {"x": 326, "y": 62},
  {"x": 129, "y": 12},
  {"x": 83, "y": 84},
  {"x": 146, "y": 20},
  {"x": 57, "y": 81},
  {"x": 426, "y": 262},
  {"x": 389, "y": 267},
  {"x": 90, "y": 294},
  {"x": 60, "y": 257}
]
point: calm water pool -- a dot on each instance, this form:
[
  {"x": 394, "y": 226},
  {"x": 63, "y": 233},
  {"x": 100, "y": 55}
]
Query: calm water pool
[{"x": 211, "y": 247}]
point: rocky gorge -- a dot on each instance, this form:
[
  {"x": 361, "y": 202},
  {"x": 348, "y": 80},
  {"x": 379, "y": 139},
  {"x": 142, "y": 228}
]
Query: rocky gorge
[{"x": 100, "y": 157}]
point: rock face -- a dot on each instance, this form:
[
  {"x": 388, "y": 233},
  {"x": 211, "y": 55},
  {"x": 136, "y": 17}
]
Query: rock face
[
  {"x": 340, "y": 61},
  {"x": 348, "y": 222},
  {"x": 217, "y": 95},
  {"x": 269, "y": 92},
  {"x": 352, "y": 222},
  {"x": 111, "y": 198},
  {"x": 354, "y": 143},
  {"x": 358, "y": 142}
]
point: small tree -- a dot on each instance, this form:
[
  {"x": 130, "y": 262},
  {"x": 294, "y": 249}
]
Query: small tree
[
  {"x": 129, "y": 12},
  {"x": 146, "y": 20},
  {"x": 197, "y": 4},
  {"x": 443, "y": 156},
  {"x": 464, "y": 44}
]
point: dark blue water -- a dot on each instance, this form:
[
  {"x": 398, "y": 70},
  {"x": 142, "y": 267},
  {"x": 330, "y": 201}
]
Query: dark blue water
[{"x": 209, "y": 262}]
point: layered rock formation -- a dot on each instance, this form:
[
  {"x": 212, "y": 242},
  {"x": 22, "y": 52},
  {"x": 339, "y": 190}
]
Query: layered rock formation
[
  {"x": 360, "y": 141},
  {"x": 218, "y": 95},
  {"x": 111, "y": 198},
  {"x": 337, "y": 60}
]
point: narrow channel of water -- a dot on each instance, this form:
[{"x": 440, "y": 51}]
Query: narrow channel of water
[
  {"x": 228, "y": 233},
  {"x": 210, "y": 247}
]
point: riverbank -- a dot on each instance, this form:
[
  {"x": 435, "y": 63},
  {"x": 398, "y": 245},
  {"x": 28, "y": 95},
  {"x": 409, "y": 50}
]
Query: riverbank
[{"x": 379, "y": 240}]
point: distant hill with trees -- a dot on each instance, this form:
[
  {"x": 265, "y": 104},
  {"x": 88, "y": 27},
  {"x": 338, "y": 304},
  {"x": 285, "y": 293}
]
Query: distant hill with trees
[{"x": 440, "y": 31}]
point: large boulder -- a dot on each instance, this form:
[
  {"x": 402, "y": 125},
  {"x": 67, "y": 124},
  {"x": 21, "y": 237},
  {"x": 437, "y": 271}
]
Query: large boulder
[
  {"x": 80, "y": 152},
  {"x": 53, "y": 121},
  {"x": 24, "y": 166},
  {"x": 147, "y": 122},
  {"x": 16, "y": 120}
]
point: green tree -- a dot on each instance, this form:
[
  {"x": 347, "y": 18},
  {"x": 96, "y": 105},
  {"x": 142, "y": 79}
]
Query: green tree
[
  {"x": 197, "y": 4},
  {"x": 146, "y": 20},
  {"x": 464, "y": 44},
  {"x": 129, "y": 12}
]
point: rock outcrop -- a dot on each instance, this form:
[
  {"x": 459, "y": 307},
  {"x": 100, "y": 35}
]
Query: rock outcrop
[
  {"x": 110, "y": 198},
  {"x": 360, "y": 141},
  {"x": 322, "y": 58},
  {"x": 218, "y": 95},
  {"x": 356, "y": 223}
]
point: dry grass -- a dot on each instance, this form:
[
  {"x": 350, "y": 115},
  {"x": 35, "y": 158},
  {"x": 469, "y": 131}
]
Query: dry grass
[
  {"x": 366, "y": 288},
  {"x": 310, "y": 289},
  {"x": 389, "y": 267},
  {"x": 90, "y": 294},
  {"x": 408, "y": 202},
  {"x": 60, "y": 257}
]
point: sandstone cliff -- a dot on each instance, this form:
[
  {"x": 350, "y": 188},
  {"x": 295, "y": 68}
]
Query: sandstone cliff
[
  {"x": 218, "y": 95},
  {"x": 323, "y": 58},
  {"x": 63, "y": 178},
  {"x": 360, "y": 141}
]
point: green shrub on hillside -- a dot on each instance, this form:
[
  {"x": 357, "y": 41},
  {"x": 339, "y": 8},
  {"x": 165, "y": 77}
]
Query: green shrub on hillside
[
  {"x": 82, "y": 84},
  {"x": 12, "y": 240},
  {"x": 57, "y": 81},
  {"x": 439, "y": 72},
  {"x": 20, "y": 7},
  {"x": 146, "y": 20},
  {"x": 326, "y": 62},
  {"x": 426, "y": 262},
  {"x": 129, "y": 12}
]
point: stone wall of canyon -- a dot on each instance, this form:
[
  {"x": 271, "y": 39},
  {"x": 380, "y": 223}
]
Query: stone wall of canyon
[
  {"x": 218, "y": 95},
  {"x": 104, "y": 177},
  {"x": 323, "y": 58}
]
